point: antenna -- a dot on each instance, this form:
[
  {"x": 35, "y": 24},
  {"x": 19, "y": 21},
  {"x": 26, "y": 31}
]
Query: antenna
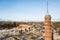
[{"x": 47, "y": 13}]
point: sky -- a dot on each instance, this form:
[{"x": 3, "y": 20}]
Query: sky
[{"x": 29, "y": 10}]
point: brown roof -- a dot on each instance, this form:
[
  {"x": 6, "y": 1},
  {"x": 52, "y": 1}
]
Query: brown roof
[{"x": 24, "y": 27}]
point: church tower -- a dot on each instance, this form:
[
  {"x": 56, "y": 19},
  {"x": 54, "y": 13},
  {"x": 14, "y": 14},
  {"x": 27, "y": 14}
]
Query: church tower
[{"x": 47, "y": 25}]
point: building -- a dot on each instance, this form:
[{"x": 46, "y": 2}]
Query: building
[{"x": 47, "y": 25}]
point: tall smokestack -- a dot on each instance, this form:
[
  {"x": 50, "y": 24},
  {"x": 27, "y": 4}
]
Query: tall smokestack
[{"x": 47, "y": 25}]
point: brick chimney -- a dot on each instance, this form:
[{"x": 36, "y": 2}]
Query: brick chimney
[{"x": 47, "y": 25}]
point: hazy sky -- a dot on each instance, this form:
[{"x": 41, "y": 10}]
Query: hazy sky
[{"x": 28, "y": 10}]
